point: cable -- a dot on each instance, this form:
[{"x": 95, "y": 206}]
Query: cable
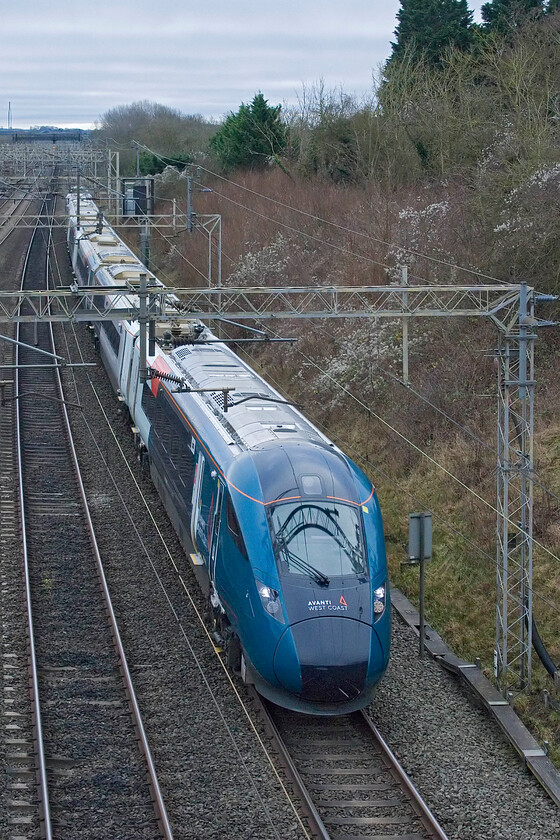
[
  {"x": 381, "y": 419},
  {"x": 451, "y": 419},
  {"x": 421, "y": 452},
  {"x": 299, "y": 232},
  {"x": 335, "y": 225},
  {"x": 541, "y": 650},
  {"x": 356, "y": 232},
  {"x": 343, "y": 250},
  {"x": 349, "y": 253}
]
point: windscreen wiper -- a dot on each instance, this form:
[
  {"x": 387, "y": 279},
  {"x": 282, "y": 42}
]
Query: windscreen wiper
[{"x": 306, "y": 567}]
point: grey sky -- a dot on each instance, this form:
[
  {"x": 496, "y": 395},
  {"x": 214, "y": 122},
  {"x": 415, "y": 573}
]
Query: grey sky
[{"x": 65, "y": 63}]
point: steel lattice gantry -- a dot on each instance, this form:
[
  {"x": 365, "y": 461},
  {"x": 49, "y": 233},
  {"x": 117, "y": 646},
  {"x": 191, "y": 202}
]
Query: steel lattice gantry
[
  {"x": 498, "y": 302},
  {"x": 98, "y": 167},
  {"x": 509, "y": 306},
  {"x": 25, "y": 159},
  {"x": 514, "y": 544},
  {"x": 159, "y": 221}
]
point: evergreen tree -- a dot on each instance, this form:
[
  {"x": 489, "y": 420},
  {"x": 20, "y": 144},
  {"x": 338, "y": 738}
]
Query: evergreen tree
[
  {"x": 504, "y": 15},
  {"x": 432, "y": 27},
  {"x": 251, "y": 137},
  {"x": 553, "y": 6}
]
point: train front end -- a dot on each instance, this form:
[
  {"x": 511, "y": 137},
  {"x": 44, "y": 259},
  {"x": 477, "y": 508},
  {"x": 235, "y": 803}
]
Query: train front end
[{"x": 323, "y": 590}]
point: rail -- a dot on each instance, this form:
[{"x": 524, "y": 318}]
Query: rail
[{"x": 348, "y": 748}]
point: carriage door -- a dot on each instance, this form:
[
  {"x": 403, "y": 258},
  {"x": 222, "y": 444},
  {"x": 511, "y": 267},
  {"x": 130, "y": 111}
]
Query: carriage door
[
  {"x": 215, "y": 537},
  {"x": 197, "y": 497}
]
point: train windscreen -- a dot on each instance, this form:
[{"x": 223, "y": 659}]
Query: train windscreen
[{"x": 318, "y": 539}]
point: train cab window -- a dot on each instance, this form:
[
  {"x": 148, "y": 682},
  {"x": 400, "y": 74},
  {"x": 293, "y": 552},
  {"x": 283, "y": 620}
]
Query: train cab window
[
  {"x": 320, "y": 539},
  {"x": 234, "y": 529}
]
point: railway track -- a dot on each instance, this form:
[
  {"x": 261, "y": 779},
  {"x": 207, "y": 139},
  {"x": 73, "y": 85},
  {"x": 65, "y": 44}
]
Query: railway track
[
  {"x": 18, "y": 796},
  {"x": 351, "y": 784},
  {"x": 82, "y": 744},
  {"x": 12, "y": 206}
]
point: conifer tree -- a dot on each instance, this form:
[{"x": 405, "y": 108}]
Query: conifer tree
[
  {"x": 432, "y": 27},
  {"x": 504, "y": 15},
  {"x": 251, "y": 137}
]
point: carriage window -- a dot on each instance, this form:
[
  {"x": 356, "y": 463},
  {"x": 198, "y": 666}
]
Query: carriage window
[
  {"x": 112, "y": 334},
  {"x": 234, "y": 529}
]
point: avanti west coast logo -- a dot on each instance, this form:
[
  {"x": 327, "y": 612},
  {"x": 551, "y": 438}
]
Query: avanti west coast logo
[{"x": 326, "y": 605}]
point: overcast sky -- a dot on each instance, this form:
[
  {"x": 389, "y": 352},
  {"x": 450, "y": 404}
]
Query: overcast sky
[{"x": 65, "y": 64}]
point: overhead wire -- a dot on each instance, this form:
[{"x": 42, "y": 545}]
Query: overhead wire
[
  {"x": 346, "y": 251},
  {"x": 374, "y": 414},
  {"x": 291, "y": 228},
  {"x": 411, "y": 390},
  {"x": 303, "y": 233},
  {"x": 343, "y": 250},
  {"x": 347, "y": 447},
  {"x": 424, "y": 454},
  {"x": 397, "y": 380},
  {"x": 330, "y": 223},
  {"x": 355, "y": 232}
]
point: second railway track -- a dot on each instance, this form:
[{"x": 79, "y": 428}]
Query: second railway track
[{"x": 94, "y": 779}]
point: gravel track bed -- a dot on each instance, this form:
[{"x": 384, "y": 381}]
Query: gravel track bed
[
  {"x": 346, "y": 771},
  {"x": 470, "y": 777}
]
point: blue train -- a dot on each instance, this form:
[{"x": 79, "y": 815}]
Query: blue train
[{"x": 283, "y": 531}]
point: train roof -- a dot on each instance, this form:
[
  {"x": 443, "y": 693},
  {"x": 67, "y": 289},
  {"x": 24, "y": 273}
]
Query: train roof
[
  {"x": 256, "y": 414},
  {"x": 262, "y": 444},
  {"x": 113, "y": 262},
  {"x": 235, "y": 408}
]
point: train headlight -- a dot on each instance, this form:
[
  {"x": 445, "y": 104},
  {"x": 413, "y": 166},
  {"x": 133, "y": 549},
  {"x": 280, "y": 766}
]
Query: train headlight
[
  {"x": 270, "y": 600},
  {"x": 379, "y": 600}
]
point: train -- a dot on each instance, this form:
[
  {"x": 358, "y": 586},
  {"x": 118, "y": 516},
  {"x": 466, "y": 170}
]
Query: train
[{"x": 282, "y": 530}]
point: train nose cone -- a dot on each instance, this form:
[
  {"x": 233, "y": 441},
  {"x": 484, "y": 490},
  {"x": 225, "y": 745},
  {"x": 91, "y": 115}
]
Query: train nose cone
[{"x": 333, "y": 655}]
